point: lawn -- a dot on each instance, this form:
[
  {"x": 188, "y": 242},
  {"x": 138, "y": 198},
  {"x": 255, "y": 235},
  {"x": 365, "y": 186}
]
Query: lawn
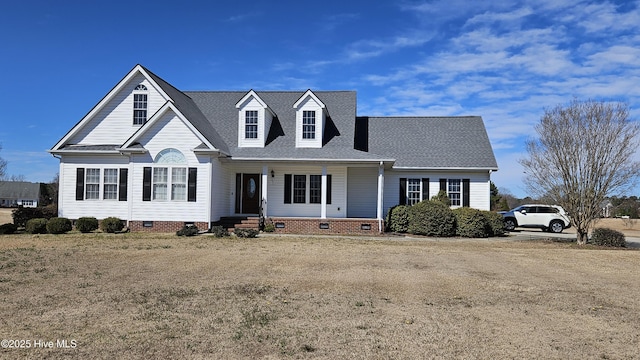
[{"x": 161, "y": 296}]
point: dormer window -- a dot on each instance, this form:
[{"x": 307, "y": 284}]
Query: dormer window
[
  {"x": 140, "y": 105},
  {"x": 308, "y": 124},
  {"x": 311, "y": 114},
  {"x": 251, "y": 124},
  {"x": 254, "y": 120}
]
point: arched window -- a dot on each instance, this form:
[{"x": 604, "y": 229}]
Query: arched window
[
  {"x": 171, "y": 175},
  {"x": 170, "y": 156},
  {"x": 140, "y": 105}
]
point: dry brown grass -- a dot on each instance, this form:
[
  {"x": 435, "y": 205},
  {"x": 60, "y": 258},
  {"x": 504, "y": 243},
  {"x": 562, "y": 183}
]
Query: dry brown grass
[
  {"x": 5, "y": 216},
  {"x": 160, "y": 296}
]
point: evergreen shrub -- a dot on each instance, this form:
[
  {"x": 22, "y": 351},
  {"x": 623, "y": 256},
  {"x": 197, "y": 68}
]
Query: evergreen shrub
[
  {"x": 111, "y": 225},
  {"x": 495, "y": 222},
  {"x": 8, "y": 228},
  {"x": 398, "y": 219},
  {"x": 59, "y": 225},
  {"x": 431, "y": 218},
  {"x": 36, "y": 226},
  {"x": 188, "y": 230},
  {"x": 608, "y": 237},
  {"x": 471, "y": 223},
  {"x": 86, "y": 224},
  {"x": 246, "y": 233}
]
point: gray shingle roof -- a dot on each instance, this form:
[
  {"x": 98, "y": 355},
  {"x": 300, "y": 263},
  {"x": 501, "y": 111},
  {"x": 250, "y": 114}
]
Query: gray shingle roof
[
  {"x": 219, "y": 108},
  {"x": 191, "y": 111},
  {"x": 412, "y": 142},
  {"x": 19, "y": 190},
  {"x": 433, "y": 142}
]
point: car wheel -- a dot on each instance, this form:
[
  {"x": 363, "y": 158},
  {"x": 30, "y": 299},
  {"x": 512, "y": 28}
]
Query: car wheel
[
  {"x": 556, "y": 226},
  {"x": 509, "y": 224}
]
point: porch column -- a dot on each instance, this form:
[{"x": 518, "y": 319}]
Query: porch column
[
  {"x": 263, "y": 189},
  {"x": 323, "y": 191},
  {"x": 380, "y": 195}
]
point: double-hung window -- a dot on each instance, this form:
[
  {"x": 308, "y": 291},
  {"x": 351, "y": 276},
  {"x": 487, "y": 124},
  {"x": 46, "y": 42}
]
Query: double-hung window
[
  {"x": 140, "y": 105},
  {"x": 251, "y": 124},
  {"x": 179, "y": 184},
  {"x": 92, "y": 184},
  {"x": 308, "y": 124},
  {"x": 454, "y": 190},
  {"x": 160, "y": 183},
  {"x": 299, "y": 189},
  {"x": 169, "y": 179},
  {"x": 414, "y": 191},
  {"x": 110, "y": 184},
  {"x": 315, "y": 189}
]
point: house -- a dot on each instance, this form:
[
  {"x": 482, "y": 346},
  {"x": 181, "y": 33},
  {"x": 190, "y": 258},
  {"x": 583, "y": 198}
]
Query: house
[
  {"x": 159, "y": 158},
  {"x": 19, "y": 193}
]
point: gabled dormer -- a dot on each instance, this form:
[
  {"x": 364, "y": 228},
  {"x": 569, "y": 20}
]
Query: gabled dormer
[
  {"x": 310, "y": 120},
  {"x": 254, "y": 120}
]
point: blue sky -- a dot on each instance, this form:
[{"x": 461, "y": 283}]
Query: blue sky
[{"x": 506, "y": 61}]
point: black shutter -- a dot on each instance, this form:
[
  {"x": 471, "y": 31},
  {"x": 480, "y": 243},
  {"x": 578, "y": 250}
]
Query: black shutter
[
  {"x": 238, "y": 192},
  {"x": 122, "y": 186},
  {"x": 287, "y": 188},
  {"x": 146, "y": 184},
  {"x": 191, "y": 187},
  {"x": 443, "y": 185},
  {"x": 80, "y": 184},
  {"x": 425, "y": 189},
  {"x": 465, "y": 192},
  {"x": 328, "y": 189},
  {"x": 403, "y": 191}
]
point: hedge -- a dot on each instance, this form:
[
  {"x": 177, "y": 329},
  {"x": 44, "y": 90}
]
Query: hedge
[
  {"x": 58, "y": 225},
  {"x": 432, "y": 218},
  {"x": 86, "y": 224},
  {"x": 608, "y": 237},
  {"x": 36, "y": 226},
  {"x": 398, "y": 219},
  {"x": 111, "y": 225}
]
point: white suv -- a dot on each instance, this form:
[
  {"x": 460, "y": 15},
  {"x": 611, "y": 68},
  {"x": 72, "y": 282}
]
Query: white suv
[{"x": 546, "y": 217}]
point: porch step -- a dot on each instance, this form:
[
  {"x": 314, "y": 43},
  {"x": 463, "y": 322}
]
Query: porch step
[{"x": 239, "y": 222}]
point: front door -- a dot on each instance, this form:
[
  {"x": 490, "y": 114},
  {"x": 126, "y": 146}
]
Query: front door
[{"x": 250, "y": 194}]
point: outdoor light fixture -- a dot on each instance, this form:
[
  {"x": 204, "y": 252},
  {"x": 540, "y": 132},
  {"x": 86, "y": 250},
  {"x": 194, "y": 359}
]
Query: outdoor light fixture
[{"x": 272, "y": 175}]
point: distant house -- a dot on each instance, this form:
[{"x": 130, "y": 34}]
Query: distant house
[
  {"x": 159, "y": 157},
  {"x": 19, "y": 193}
]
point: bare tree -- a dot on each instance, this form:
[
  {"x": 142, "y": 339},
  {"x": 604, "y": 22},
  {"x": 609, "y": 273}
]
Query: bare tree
[
  {"x": 3, "y": 166},
  {"x": 583, "y": 153}
]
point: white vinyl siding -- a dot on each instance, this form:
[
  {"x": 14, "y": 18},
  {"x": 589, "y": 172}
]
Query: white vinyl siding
[
  {"x": 362, "y": 192},
  {"x": 71, "y": 208},
  {"x": 275, "y": 188},
  {"x": 113, "y": 123},
  {"x": 478, "y": 186}
]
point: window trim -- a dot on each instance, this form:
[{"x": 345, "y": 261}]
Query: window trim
[
  {"x": 94, "y": 173},
  {"x": 114, "y": 181},
  {"x": 454, "y": 187}
]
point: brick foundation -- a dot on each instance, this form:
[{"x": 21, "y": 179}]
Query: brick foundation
[
  {"x": 163, "y": 226},
  {"x": 325, "y": 226}
]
